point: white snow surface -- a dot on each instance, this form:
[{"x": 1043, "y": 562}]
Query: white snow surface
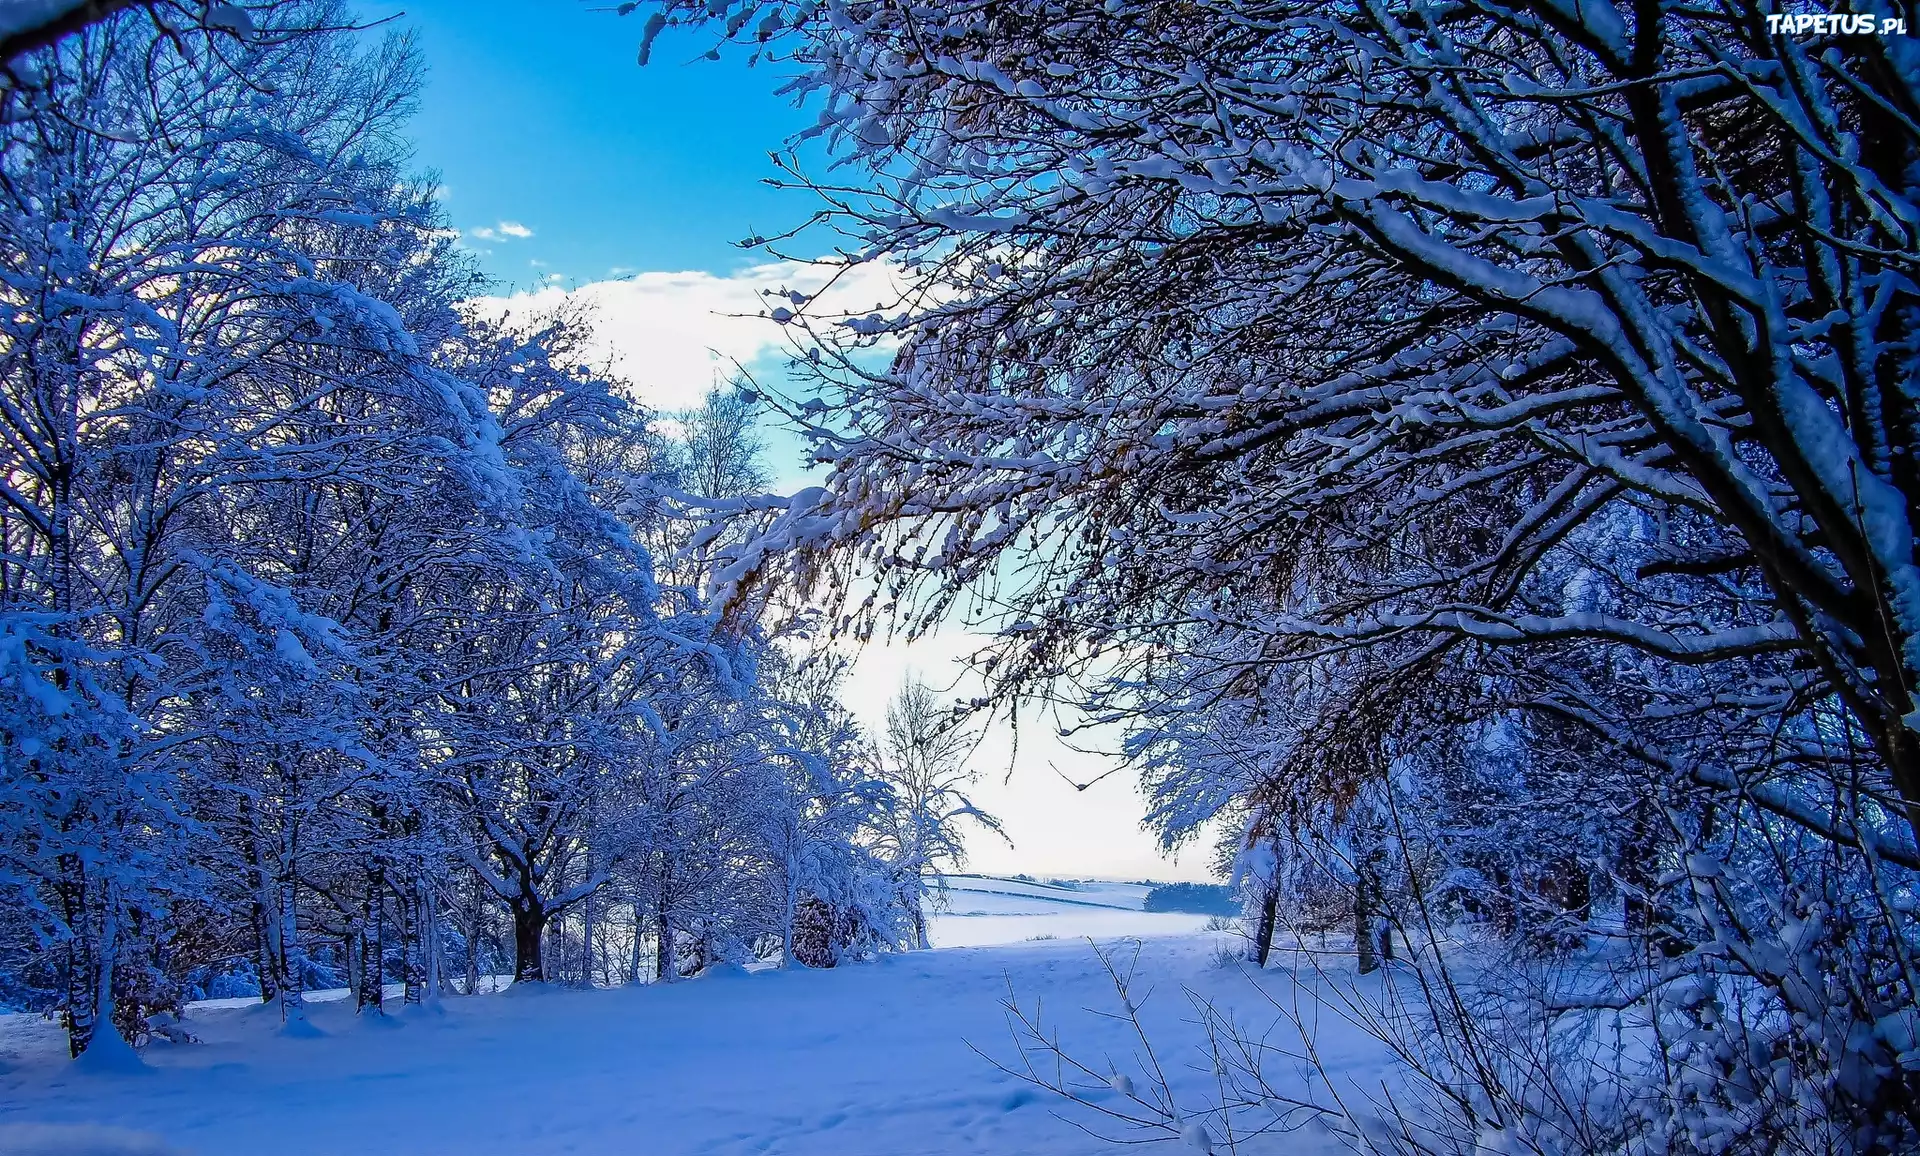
[{"x": 865, "y": 1060}]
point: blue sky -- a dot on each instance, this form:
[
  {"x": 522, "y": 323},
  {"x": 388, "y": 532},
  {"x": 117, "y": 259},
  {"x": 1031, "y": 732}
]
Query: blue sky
[{"x": 537, "y": 114}]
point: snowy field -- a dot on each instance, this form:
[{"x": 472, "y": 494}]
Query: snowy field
[
  {"x": 981, "y": 911},
  {"x": 869, "y": 1060}
]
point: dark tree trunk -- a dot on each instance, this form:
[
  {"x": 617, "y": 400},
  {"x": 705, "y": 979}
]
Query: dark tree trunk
[
  {"x": 82, "y": 966},
  {"x": 1269, "y": 914},
  {"x": 633, "y": 948},
  {"x": 1376, "y": 904},
  {"x": 413, "y": 944},
  {"x": 1366, "y": 942},
  {"x": 589, "y": 930},
  {"x": 373, "y": 947},
  {"x": 265, "y": 916},
  {"x": 529, "y": 934},
  {"x": 476, "y": 914},
  {"x": 263, "y": 939},
  {"x": 665, "y": 968},
  {"x": 350, "y": 960}
]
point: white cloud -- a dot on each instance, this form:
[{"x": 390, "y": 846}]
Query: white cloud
[
  {"x": 503, "y": 231},
  {"x": 675, "y": 334}
]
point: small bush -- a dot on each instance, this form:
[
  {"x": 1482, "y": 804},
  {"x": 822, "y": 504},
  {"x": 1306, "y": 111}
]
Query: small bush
[{"x": 1228, "y": 956}]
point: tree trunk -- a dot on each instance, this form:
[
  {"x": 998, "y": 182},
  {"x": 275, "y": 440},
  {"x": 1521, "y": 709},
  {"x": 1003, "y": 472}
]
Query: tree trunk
[
  {"x": 293, "y": 1003},
  {"x": 263, "y": 937},
  {"x": 633, "y": 948},
  {"x": 373, "y": 947},
  {"x": 1262, "y": 945},
  {"x": 918, "y": 897},
  {"x": 103, "y": 999},
  {"x": 703, "y": 950},
  {"x": 266, "y": 905},
  {"x": 589, "y": 931},
  {"x": 665, "y": 967},
  {"x": 274, "y": 922},
  {"x": 266, "y": 930},
  {"x": 476, "y": 916},
  {"x": 1365, "y": 939},
  {"x": 413, "y": 954},
  {"x": 788, "y": 911},
  {"x": 83, "y": 962},
  {"x": 350, "y": 954},
  {"x": 430, "y": 940},
  {"x": 529, "y": 934}
]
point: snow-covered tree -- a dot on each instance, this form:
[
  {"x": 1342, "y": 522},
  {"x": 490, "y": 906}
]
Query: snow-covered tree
[
  {"x": 1559, "y": 356},
  {"x": 177, "y": 334},
  {"x": 925, "y": 757},
  {"x": 331, "y": 646}
]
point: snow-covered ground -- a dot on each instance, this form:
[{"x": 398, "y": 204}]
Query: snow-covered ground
[
  {"x": 1069, "y": 892},
  {"x": 866, "y": 1060}
]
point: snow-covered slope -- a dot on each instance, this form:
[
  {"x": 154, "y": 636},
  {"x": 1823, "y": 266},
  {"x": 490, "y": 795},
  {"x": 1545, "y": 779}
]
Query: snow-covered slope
[
  {"x": 980, "y": 910},
  {"x": 871, "y": 1060},
  {"x": 1077, "y": 892}
]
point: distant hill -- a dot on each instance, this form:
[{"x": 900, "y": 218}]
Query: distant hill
[
  {"x": 974, "y": 889},
  {"x": 1192, "y": 899},
  {"x": 981, "y": 910}
]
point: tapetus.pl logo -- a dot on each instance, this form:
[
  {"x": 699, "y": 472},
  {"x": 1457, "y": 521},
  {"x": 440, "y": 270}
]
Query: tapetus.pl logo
[{"x": 1834, "y": 24}]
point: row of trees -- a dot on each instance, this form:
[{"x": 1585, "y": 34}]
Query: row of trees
[
  {"x": 1471, "y": 448},
  {"x": 347, "y": 635}
]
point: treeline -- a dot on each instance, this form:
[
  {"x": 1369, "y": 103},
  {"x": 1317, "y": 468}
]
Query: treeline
[
  {"x": 1193, "y": 899},
  {"x": 348, "y": 636}
]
